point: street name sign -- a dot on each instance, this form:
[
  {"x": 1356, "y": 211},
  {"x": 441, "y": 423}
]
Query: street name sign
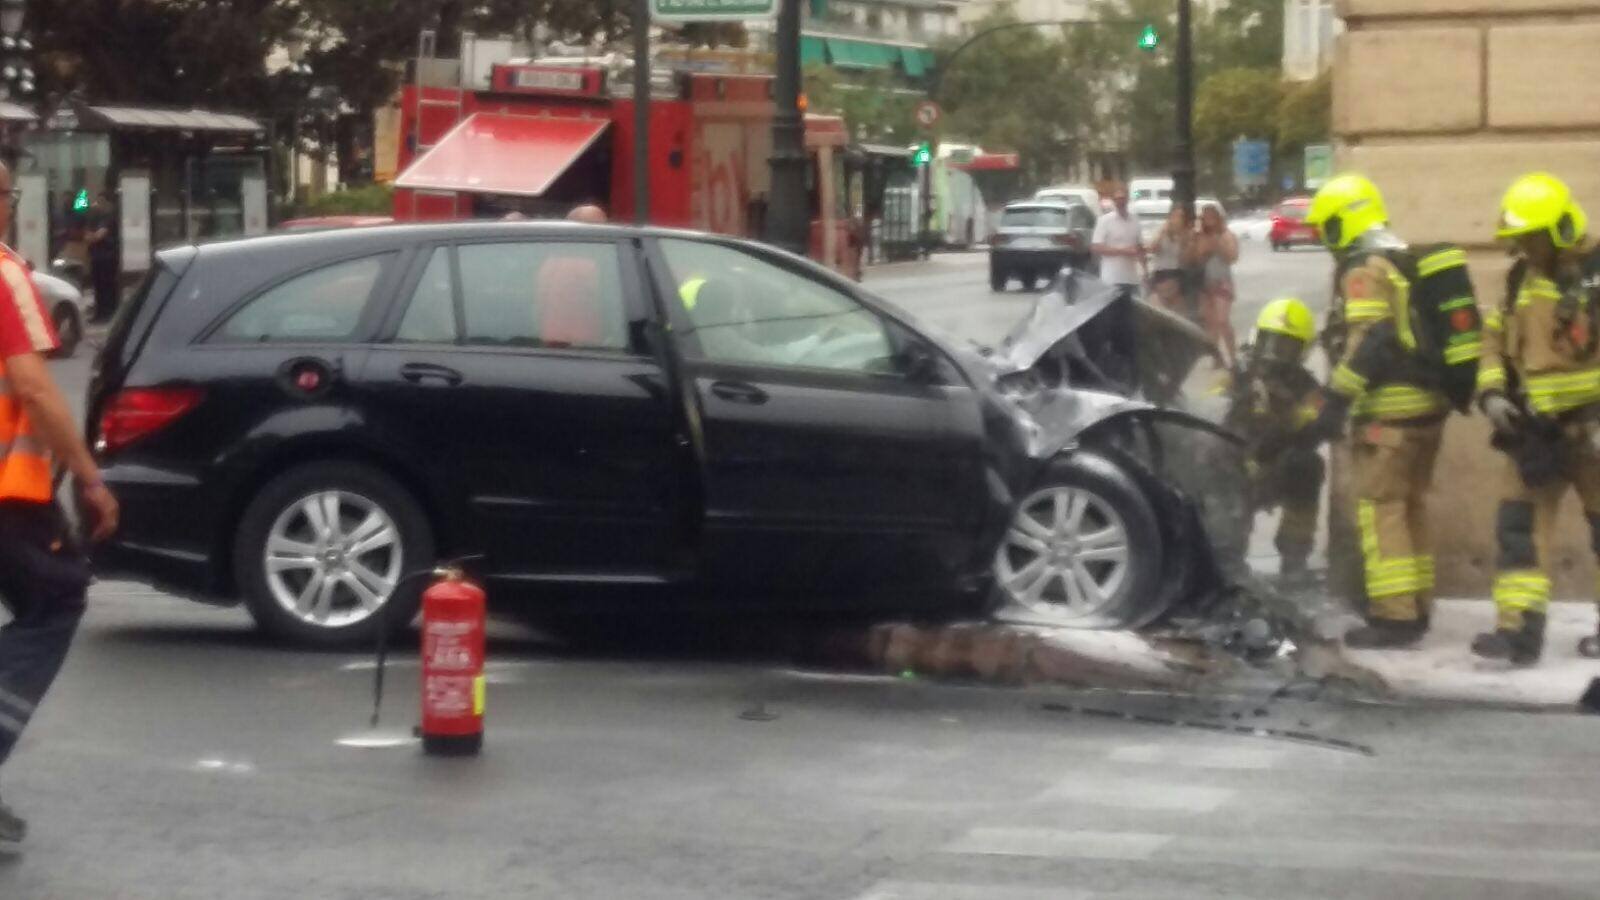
[
  {"x": 1251, "y": 162},
  {"x": 712, "y": 10}
]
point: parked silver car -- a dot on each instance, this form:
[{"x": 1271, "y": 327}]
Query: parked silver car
[
  {"x": 1036, "y": 239},
  {"x": 68, "y": 310}
]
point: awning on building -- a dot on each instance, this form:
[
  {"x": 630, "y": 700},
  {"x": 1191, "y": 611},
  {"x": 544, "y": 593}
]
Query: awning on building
[
  {"x": 861, "y": 54},
  {"x": 494, "y": 153},
  {"x": 915, "y": 61},
  {"x": 990, "y": 162},
  {"x": 135, "y": 117},
  {"x": 813, "y": 50}
]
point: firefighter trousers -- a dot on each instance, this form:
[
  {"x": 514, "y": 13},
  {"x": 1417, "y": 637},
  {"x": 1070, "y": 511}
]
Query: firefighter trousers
[
  {"x": 42, "y": 585},
  {"x": 1392, "y": 465},
  {"x": 1293, "y": 481},
  {"x": 1525, "y": 523}
]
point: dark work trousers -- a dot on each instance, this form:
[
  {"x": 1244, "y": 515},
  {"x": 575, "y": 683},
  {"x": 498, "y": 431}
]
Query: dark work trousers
[
  {"x": 103, "y": 272},
  {"x": 42, "y": 583}
]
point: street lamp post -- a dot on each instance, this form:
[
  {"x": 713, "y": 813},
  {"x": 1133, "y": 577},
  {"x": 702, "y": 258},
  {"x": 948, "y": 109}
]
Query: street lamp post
[
  {"x": 641, "y": 111},
  {"x": 786, "y": 224},
  {"x": 1183, "y": 173}
]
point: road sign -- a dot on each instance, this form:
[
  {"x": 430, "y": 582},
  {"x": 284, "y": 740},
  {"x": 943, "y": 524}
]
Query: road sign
[
  {"x": 712, "y": 10},
  {"x": 928, "y": 113},
  {"x": 1251, "y": 160},
  {"x": 1319, "y": 165}
]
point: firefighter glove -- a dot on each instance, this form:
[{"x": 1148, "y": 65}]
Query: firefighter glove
[{"x": 1501, "y": 412}]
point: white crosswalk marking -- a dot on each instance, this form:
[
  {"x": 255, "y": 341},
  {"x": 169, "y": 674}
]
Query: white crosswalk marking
[
  {"x": 1053, "y": 843},
  {"x": 1137, "y": 793},
  {"x": 909, "y": 890}
]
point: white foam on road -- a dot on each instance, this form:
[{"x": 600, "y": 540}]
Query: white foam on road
[
  {"x": 1052, "y": 843},
  {"x": 1137, "y": 793}
]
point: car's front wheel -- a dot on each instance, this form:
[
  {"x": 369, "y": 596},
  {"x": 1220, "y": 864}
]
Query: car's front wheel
[
  {"x": 323, "y": 552},
  {"x": 1083, "y": 550}
]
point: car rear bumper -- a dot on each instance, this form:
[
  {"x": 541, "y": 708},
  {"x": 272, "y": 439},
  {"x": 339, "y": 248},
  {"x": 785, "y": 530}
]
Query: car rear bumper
[
  {"x": 170, "y": 532},
  {"x": 1038, "y": 260}
]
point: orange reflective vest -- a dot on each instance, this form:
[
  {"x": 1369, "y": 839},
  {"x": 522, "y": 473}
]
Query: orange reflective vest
[{"x": 25, "y": 467}]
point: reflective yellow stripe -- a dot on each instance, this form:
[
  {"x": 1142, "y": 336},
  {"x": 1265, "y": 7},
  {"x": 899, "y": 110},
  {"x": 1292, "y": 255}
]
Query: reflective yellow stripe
[
  {"x": 1438, "y": 262},
  {"x": 1525, "y": 589},
  {"x": 1558, "y": 392},
  {"x": 1463, "y": 352},
  {"x": 1494, "y": 321},
  {"x": 1491, "y": 378},
  {"x": 1398, "y": 401},
  {"x": 1386, "y": 577},
  {"x": 1347, "y": 381},
  {"x": 1366, "y": 310},
  {"x": 1305, "y": 414},
  {"x": 1425, "y": 572},
  {"x": 1537, "y": 288}
]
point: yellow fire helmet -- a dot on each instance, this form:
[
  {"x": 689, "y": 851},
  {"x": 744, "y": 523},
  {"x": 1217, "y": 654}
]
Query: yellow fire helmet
[
  {"x": 1346, "y": 208},
  {"x": 1540, "y": 202},
  {"x": 1284, "y": 330}
]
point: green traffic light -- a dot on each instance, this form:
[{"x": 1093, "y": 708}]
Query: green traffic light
[
  {"x": 1149, "y": 39},
  {"x": 922, "y": 156}
]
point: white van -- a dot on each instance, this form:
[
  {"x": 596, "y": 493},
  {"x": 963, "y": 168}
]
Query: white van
[{"x": 1150, "y": 189}]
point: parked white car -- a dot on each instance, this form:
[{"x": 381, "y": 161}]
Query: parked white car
[
  {"x": 68, "y": 308},
  {"x": 1082, "y": 193}
]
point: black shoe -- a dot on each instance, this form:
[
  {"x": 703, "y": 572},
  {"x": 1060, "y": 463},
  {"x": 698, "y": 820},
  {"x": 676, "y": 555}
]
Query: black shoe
[
  {"x": 1520, "y": 648},
  {"x": 1385, "y": 634},
  {"x": 12, "y": 828}
]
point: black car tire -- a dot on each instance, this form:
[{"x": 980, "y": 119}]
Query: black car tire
[
  {"x": 997, "y": 280},
  {"x": 1030, "y": 281},
  {"x": 1138, "y": 597},
  {"x": 69, "y": 329},
  {"x": 415, "y": 539}
]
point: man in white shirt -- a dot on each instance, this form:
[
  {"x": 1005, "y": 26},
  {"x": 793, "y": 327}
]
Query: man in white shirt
[{"x": 1116, "y": 243}]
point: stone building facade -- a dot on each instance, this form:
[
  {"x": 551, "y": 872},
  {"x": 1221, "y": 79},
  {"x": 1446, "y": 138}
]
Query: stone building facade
[{"x": 1443, "y": 103}]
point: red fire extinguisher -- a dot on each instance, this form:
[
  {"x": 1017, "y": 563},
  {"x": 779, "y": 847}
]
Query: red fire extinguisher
[{"x": 454, "y": 614}]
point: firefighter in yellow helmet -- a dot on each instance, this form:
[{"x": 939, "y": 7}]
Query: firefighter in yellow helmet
[
  {"x": 1539, "y": 384},
  {"x": 1272, "y": 402},
  {"x": 1396, "y": 411}
]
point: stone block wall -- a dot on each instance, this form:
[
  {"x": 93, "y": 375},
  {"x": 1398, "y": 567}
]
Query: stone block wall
[{"x": 1443, "y": 103}]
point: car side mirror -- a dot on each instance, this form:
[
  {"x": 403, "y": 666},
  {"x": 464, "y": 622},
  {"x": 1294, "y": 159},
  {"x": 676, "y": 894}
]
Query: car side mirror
[{"x": 919, "y": 362}]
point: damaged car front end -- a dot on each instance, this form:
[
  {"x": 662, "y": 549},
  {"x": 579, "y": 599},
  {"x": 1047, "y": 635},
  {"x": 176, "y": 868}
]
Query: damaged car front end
[{"x": 1128, "y": 501}]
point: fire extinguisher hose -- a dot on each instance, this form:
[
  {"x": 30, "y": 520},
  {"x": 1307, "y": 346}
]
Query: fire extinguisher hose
[{"x": 381, "y": 639}]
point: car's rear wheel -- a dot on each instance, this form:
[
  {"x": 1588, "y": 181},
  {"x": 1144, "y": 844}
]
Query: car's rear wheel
[
  {"x": 1030, "y": 281},
  {"x": 323, "y": 550},
  {"x": 1083, "y": 550},
  {"x": 69, "y": 329}
]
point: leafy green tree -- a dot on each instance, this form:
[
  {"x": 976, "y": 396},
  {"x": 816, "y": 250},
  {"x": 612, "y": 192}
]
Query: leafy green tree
[
  {"x": 1305, "y": 115},
  {"x": 873, "y": 106}
]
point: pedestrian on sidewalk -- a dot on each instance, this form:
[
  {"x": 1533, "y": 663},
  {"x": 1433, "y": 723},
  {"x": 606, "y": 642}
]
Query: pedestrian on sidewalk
[
  {"x": 104, "y": 248},
  {"x": 1167, "y": 253},
  {"x": 1116, "y": 242},
  {"x": 43, "y": 573},
  {"x": 1213, "y": 252},
  {"x": 1539, "y": 384}
]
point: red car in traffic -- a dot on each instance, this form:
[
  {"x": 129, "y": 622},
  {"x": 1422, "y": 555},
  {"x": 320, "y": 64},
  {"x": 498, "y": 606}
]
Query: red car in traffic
[{"x": 1289, "y": 224}]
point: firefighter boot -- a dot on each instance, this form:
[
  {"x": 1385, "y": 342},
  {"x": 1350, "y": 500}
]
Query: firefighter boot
[
  {"x": 12, "y": 828},
  {"x": 1385, "y": 634},
  {"x": 1520, "y": 647}
]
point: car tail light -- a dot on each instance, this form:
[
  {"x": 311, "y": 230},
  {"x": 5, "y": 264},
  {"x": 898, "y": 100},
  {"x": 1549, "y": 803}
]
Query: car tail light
[
  {"x": 997, "y": 239},
  {"x": 135, "y": 413},
  {"x": 1065, "y": 240}
]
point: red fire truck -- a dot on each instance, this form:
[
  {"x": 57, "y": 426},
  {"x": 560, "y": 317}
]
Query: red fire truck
[{"x": 544, "y": 138}]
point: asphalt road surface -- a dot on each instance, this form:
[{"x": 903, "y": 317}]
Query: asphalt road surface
[{"x": 181, "y": 756}]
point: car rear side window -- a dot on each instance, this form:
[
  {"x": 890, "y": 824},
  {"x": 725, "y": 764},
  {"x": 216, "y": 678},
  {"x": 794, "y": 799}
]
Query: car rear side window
[
  {"x": 323, "y": 304},
  {"x": 548, "y": 294},
  {"x": 430, "y": 316},
  {"x": 1035, "y": 217}
]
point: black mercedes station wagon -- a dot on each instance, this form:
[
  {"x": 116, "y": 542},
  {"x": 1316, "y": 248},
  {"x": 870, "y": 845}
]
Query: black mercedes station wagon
[{"x": 610, "y": 414}]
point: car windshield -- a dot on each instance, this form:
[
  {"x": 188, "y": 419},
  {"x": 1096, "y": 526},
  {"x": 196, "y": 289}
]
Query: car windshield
[
  {"x": 1294, "y": 213},
  {"x": 1034, "y": 217}
]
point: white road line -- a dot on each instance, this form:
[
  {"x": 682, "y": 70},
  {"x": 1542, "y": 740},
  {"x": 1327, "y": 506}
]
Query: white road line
[
  {"x": 1141, "y": 794},
  {"x": 1051, "y": 843},
  {"x": 917, "y": 890}
]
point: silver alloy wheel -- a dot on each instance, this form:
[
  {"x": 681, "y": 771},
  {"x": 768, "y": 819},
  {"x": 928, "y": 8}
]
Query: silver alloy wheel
[
  {"x": 333, "y": 558},
  {"x": 1066, "y": 555}
]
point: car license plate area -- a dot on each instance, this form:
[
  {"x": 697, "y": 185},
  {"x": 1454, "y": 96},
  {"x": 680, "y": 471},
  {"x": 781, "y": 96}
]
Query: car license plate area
[{"x": 1031, "y": 243}]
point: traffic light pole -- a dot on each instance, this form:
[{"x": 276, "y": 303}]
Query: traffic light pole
[
  {"x": 787, "y": 224},
  {"x": 1183, "y": 169},
  {"x": 641, "y": 111}
]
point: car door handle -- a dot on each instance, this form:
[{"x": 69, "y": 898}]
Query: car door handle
[
  {"x": 417, "y": 373},
  {"x": 739, "y": 392}
]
